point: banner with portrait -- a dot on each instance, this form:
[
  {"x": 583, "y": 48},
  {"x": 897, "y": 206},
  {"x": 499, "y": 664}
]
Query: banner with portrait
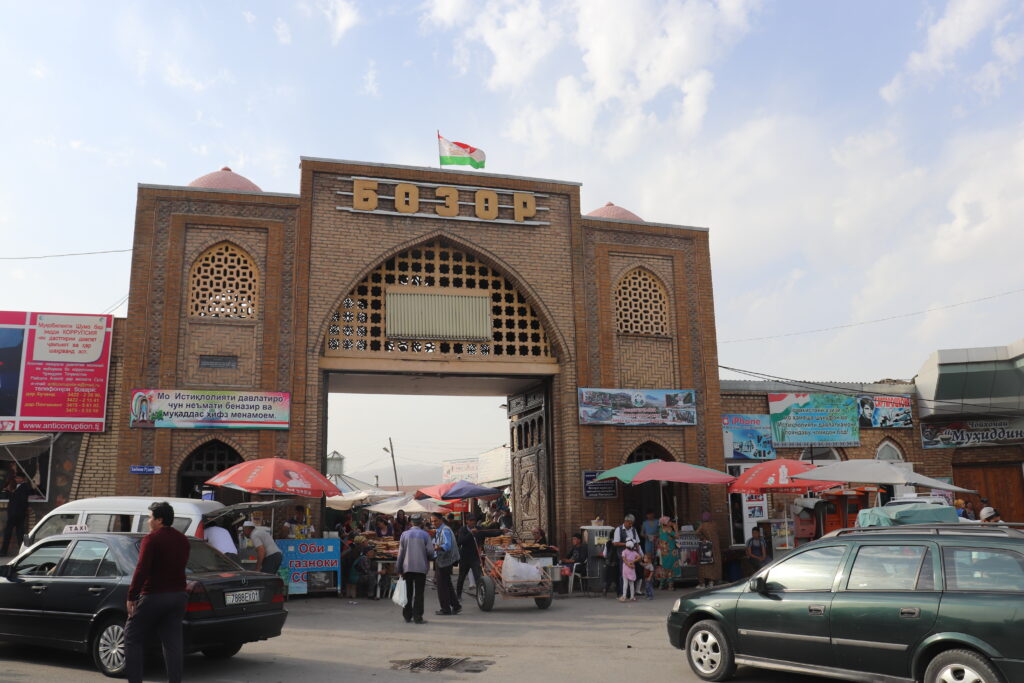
[
  {"x": 887, "y": 411},
  {"x": 637, "y": 406}
]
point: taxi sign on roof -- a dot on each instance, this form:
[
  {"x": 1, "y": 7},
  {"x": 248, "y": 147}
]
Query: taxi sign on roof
[{"x": 76, "y": 529}]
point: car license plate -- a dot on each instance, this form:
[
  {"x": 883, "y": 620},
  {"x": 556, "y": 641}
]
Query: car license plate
[{"x": 241, "y": 597}]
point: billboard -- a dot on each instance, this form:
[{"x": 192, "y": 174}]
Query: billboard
[
  {"x": 454, "y": 470},
  {"x": 53, "y": 371},
  {"x": 804, "y": 420},
  {"x": 960, "y": 433},
  {"x": 637, "y": 406},
  {"x": 748, "y": 437},
  {"x": 182, "y": 409},
  {"x": 874, "y": 410}
]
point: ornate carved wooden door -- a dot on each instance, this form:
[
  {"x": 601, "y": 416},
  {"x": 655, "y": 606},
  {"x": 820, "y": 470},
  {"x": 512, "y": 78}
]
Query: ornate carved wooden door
[{"x": 531, "y": 475}]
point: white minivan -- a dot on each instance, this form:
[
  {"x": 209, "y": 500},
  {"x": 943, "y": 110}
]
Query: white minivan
[{"x": 121, "y": 513}]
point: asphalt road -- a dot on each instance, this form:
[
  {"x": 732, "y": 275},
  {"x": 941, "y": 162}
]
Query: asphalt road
[{"x": 327, "y": 639}]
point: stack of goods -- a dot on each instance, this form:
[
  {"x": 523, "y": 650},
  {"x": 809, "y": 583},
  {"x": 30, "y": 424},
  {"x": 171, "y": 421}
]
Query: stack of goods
[
  {"x": 495, "y": 546},
  {"x": 387, "y": 548}
]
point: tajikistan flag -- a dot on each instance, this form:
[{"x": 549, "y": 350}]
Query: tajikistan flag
[{"x": 459, "y": 153}]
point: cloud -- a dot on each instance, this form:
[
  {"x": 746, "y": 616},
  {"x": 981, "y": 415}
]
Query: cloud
[
  {"x": 1007, "y": 52},
  {"x": 370, "y": 85},
  {"x": 283, "y": 33},
  {"x": 341, "y": 15},
  {"x": 248, "y": 16},
  {"x": 40, "y": 70},
  {"x": 447, "y": 13},
  {"x": 176, "y": 76},
  {"x": 947, "y": 38}
]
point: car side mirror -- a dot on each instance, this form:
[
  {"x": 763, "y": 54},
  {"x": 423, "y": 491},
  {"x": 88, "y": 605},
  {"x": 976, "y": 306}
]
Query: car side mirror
[
  {"x": 758, "y": 585},
  {"x": 5, "y": 571}
]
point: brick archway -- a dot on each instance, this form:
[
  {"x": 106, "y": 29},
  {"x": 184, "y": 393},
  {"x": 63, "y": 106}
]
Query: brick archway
[{"x": 668, "y": 453}]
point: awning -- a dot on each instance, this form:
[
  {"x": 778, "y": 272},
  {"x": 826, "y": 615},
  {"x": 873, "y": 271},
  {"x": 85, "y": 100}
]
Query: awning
[{"x": 24, "y": 445}]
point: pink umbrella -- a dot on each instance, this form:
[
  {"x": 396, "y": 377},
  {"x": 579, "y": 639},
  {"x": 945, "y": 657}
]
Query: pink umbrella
[{"x": 774, "y": 476}]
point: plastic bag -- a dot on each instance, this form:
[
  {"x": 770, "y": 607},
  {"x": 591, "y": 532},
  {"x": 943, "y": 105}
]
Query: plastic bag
[
  {"x": 516, "y": 570},
  {"x": 399, "y": 597}
]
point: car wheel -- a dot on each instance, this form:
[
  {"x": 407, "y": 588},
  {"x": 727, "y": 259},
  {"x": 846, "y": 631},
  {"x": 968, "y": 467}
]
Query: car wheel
[
  {"x": 709, "y": 652},
  {"x": 222, "y": 651},
  {"x": 543, "y": 603},
  {"x": 108, "y": 647},
  {"x": 961, "y": 666},
  {"x": 485, "y": 594}
]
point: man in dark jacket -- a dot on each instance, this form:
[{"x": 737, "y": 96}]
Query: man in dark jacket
[
  {"x": 415, "y": 550},
  {"x": 156, "y": 596},
  {"x": 17, "y": 511},
  {"x": 469, "y": 554}
]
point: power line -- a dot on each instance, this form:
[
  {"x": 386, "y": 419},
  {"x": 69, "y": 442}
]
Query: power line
[
  {"x": 116, "y": 305},
  {"x": 77, "y": 253},
  {"x": 876, "y": 320}
]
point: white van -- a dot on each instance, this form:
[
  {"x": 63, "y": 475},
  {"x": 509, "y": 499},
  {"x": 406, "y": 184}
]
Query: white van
[{"x": 121, "y": 513}]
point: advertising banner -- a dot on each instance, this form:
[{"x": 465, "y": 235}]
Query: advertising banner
[
  {"x": 637, "y": 407},
  {"x": 313, "y": 565},
  {"x": 960, "y": 433},
  {"x": 874, "y": 410},
  {"x": 748, "y": 437},
  {"x": 154, "y": 408},
  {"x": 804, "y": 420},
  {"x": 454, "y": 470},
  {"x": 53, "y": 371}
]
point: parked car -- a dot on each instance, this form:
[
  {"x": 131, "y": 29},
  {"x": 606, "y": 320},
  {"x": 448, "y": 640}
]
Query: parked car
[
  {"x": 911, "y": 500},
  {"x": 69, "y": 591},
  {"x": 120, "y": 513},
  {"x": 934, "y": 603}
]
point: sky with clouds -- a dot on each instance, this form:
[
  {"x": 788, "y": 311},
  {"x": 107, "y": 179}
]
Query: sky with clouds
[{"x": 854, "y": 161}]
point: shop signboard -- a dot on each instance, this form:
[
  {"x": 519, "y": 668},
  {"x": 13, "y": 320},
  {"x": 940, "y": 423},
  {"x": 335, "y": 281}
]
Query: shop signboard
[
  {"x": 178, "y": 409},
  {"x": 804, "y": 420},
  {"x": 596, "y": 490},
  {"x": 53, "y": 371},
  {"x": 961, "y": 433},
  {"x": 876, "y": 410},
  {"x": 454, "y": 470},
  {"x": 638, "y": 407},
  {"x": 144, "y": 469},
  {"x": 313, "y": 565},
  {"x": 748, "y": 437}
]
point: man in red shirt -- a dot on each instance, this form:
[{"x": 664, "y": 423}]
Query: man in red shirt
[{"x": 157, "y": 597}]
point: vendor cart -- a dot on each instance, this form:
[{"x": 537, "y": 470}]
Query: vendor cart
[{"x": 495, "y": 580}]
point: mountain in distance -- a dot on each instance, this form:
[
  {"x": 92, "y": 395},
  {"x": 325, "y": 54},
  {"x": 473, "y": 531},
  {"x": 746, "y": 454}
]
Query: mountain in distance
[{"x": 425, "y": 475}]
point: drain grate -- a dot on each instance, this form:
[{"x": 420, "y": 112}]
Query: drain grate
[{"x": 434, "y": 663}]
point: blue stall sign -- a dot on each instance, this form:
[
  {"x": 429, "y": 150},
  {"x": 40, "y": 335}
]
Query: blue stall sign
[
  {"x": 313, "y": 565},
  {"x": 144, "y": 469}
]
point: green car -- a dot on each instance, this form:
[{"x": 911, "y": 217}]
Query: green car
[{"x": 939, "y": 603}]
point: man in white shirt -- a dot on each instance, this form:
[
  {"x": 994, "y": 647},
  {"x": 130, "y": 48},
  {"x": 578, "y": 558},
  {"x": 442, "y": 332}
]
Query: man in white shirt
[
  {"x": 268, "y": 555},
  {"x": 220, "y": 538}
]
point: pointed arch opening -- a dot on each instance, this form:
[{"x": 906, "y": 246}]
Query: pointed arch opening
[
  {"x": 207, "y": 460},
  {"x": 437, "y": 300},
  {"x": 653, "y": 496}
]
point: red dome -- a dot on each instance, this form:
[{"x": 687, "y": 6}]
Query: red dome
[
  {"x": 225, "y": 179},
  {"x": 615, "y": 213}
]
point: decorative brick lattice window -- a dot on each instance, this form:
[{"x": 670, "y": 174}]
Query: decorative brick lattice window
[
  {"x": 224, "y": 283},
  {"x": 359, "y": 325},
  {"x": 641, "y": 304}
]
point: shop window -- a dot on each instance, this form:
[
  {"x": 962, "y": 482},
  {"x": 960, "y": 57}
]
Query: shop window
[
  {"x": 641, "y": 304},
  {"x": 888, "y": 451},
  {"x": 360, "y": 323},
  {"x": 223, "y": 283},
  {"x": 820, "y": 455}
]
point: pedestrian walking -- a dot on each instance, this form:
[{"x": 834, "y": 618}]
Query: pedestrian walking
[
  {"x": 415, "y": 551},
  {"x": 156, "y": 595},
  {"x": 17, "y": 512},
  {"x": 446, "y": 554},
  {"x": 268, "y": 555},
  {"x": 469, "y": 554}
]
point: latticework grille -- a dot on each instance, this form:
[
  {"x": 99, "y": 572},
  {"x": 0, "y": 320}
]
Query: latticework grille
[
  {"x": 359, "y": 325},
  {"x": 641, "y": 304},
  {"x": 223, "y": 284}
]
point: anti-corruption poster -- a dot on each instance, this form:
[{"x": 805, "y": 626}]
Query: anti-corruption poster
[
  {"x": 748, "y": 437},
  {"x": 53, "y": 371},
  {"x": 637, "y": 407},
  {"x": 804, "y": 420},
  {"x": 957, "y": 433},
  {"x": 874, "y": 410},
  {"x": 177, "y": 409}
]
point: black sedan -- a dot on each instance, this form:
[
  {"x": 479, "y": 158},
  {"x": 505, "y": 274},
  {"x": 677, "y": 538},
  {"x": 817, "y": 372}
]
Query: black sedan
[{"x": 69, "y": 592}]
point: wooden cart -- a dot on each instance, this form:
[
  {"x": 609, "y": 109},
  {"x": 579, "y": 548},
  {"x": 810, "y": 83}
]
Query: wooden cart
[{"x": 492, "y": 583}]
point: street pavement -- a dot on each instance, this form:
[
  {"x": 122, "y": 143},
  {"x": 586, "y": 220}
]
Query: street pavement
[{"x": 327, "y": 639}]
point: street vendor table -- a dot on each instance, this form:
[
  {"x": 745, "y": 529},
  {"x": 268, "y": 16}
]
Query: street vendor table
[{"x": 313, "y": 565}]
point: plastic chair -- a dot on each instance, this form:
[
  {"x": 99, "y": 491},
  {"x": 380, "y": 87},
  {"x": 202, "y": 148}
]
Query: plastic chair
[{"x": 583, "y": 578}]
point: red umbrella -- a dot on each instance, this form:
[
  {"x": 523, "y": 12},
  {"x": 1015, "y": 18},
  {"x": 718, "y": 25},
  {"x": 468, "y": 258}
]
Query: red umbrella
[
  {"x": 437, "y": 491},
  {"x": 276, "y": 475},
  {"x": 775, "y": 476}
]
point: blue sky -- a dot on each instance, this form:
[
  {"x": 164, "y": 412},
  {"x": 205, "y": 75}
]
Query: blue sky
[{"x": 854, "y": 160}]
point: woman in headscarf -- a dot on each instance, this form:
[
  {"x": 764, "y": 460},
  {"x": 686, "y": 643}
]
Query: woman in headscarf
[
  {"x": 709, "y": 574},
  {"x": 668, "y": 569}
]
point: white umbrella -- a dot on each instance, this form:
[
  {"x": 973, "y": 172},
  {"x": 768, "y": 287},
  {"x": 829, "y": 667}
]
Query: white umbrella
[
  {"x": 876, "y": 472},
  {"x": 347, "y": 501},
  {"x": 407, "y": 503}
]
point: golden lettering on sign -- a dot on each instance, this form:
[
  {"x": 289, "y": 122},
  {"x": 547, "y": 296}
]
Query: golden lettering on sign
[{"x": 410, "y": 198}]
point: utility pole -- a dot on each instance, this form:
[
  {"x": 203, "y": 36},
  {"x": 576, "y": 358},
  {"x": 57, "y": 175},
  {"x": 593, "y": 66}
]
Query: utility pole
[
  {"x": 376, "y": 480},
  {"x": 394, "y": 468}
]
